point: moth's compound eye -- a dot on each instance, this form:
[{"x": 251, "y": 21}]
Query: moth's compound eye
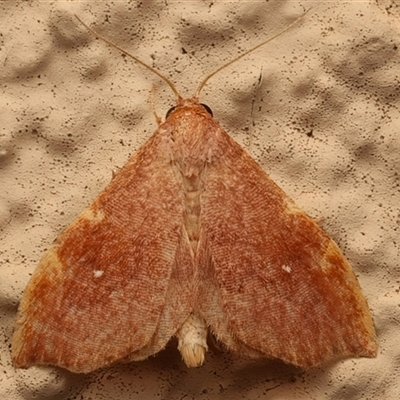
[
  {"x": 169, "y": 112},
  {"x": 208, "y": 109}
]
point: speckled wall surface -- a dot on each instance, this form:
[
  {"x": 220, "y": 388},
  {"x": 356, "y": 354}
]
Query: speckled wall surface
[{"x": 318, "y": 108}]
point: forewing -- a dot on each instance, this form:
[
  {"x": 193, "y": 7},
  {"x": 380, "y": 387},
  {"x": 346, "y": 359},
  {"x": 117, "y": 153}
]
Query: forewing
[
  {"x": 278, "y": 286},
  {"x": 100, "y": 295}
]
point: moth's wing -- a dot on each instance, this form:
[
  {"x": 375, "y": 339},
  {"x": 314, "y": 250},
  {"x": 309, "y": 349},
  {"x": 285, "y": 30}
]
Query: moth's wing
[
  {"x": 113, "y": 286},
  {"x": 275, "y": 284}
]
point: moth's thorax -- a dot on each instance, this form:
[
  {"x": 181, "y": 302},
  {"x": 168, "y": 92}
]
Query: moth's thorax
[{"x": 194, "y": 137}]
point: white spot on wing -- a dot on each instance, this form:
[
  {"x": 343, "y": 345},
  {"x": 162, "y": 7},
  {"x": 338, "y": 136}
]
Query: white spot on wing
[{"x": 287, "y": 268}]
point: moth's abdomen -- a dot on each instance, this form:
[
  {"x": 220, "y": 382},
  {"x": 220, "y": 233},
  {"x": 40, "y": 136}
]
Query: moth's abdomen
[{"x": 191, "y": 217}]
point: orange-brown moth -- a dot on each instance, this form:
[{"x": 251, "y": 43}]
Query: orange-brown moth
[{"x": 190, "y": 237}]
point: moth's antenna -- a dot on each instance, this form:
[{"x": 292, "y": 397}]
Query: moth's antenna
[
  {"x": 164, "y": 78},
  {"x": 204, "y": 81}
]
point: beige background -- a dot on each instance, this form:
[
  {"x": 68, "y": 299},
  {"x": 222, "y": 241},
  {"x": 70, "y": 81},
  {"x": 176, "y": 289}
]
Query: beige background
[{"x": 318, "y": 108}]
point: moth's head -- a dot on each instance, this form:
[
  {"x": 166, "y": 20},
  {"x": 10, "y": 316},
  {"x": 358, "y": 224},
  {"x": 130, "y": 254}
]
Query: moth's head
[{"x": 189, "y": 105}]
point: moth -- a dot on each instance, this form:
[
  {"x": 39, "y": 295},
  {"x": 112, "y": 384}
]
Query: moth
[{"x": 191, "y": 237}]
